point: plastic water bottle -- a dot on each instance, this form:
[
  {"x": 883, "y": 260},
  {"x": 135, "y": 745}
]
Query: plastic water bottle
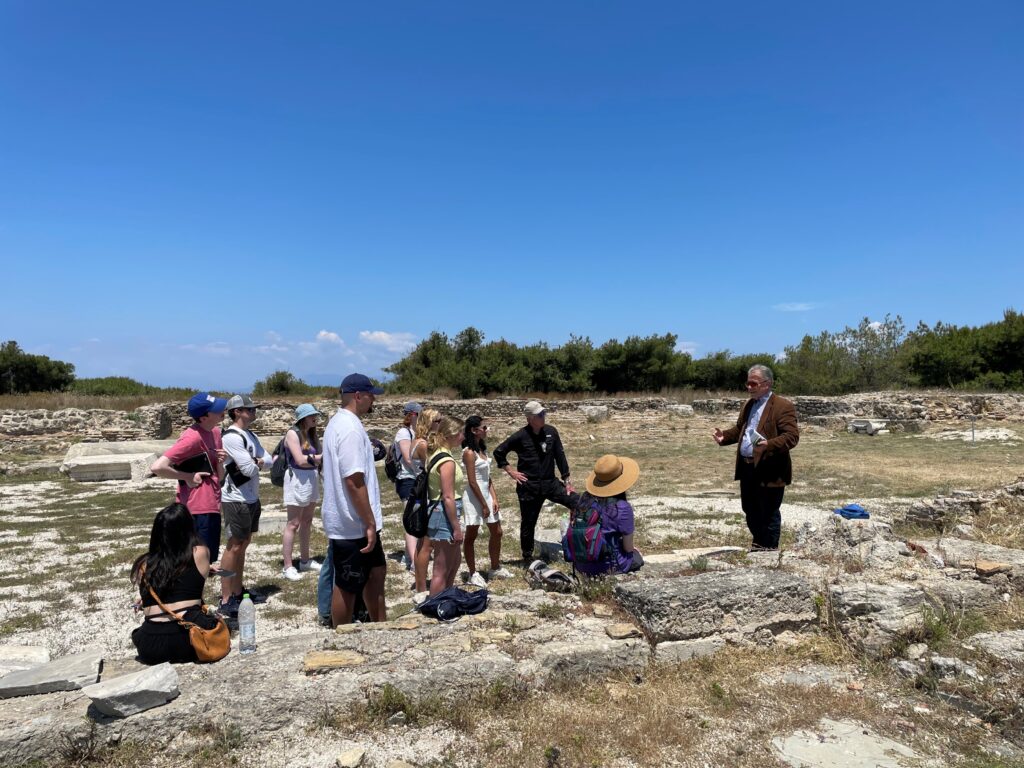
[{"x": 246, "y": 625}]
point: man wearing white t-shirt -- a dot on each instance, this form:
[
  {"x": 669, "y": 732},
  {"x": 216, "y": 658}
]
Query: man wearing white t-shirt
[{"x": 351, "y": 504}]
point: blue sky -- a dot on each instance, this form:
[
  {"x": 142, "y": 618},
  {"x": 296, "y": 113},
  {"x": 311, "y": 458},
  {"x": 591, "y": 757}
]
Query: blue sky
[{"x": 199, "y": 193}]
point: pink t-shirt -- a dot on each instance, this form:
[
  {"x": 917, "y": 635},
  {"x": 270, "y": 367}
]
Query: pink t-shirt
[{"x": 205, "y": 498}]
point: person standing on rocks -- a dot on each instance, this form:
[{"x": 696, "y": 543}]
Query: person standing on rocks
[
  {"x": 239, "y": 497},
  {"x": 199, "y": 490},
  {"x": 408, "y": 468},
  {"x": 351, "y": 504},
  {"x": 538, "y": 449},
  {"x": 766, "y": 431}
]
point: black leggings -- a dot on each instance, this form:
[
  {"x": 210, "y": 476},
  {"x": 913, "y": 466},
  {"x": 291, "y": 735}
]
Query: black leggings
[{"x": 160, "y": 641}]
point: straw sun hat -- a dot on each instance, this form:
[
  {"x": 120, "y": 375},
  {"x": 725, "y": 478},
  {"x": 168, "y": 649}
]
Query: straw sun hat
[{"x": 612, "y": 475}]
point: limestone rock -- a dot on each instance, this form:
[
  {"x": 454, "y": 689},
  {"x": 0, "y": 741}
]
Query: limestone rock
[
  {"x": 350, "y": 758},
  {"x": 991, "y": 567},
  {"x": 603, "y": 611},
  {"x": 14, "y": 658},
  {"x": 915, "y": 651},
  {"x": 64, "y": 674},
  {"x": 400, "y": 764},
  {"x": 873, "y": 615},
  {"x": 843, "y": 742},
  {"x": 595, "y": 413},
  {"x": 813, "y": 675},
  {"x": 734, "y": 604},
  {"x": 622, "y": 631},
  {"x": 591, "y": 657},
  {"x": 680, "y": 409},
  {"x": 1008, "y": 646},
  {"x": 136, "y": 692},
  {"x": 674, "y": 651},
  {"x": 869, "y": 541},
  {"x": 322, "y": 661},
  {"x": 947, "y": 666}
]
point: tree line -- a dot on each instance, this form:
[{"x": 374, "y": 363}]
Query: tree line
[
  {"x": 874, "y": 355},
  {"x": 871, "y": 356}
]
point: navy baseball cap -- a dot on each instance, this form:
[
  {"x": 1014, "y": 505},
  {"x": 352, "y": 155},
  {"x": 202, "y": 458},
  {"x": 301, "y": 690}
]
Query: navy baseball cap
[
  {"x": 203, "y": 403},
  {"x": 356, "y": 382}
]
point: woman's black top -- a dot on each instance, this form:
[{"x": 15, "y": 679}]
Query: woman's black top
[{"x": 187, "y": 586}]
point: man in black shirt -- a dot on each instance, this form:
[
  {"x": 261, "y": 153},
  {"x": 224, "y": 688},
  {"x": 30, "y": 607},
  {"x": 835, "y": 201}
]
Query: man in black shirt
[{"x": 538, "y": 448}]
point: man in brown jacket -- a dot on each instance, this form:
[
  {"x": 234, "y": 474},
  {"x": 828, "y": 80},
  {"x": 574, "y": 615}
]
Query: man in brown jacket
[{"x": 766, "y": 432}]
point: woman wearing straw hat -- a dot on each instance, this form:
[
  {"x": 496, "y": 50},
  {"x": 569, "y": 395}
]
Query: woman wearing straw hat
[
  {"x": 606, "y": 494},
  {"x": 301, "y": 489}
]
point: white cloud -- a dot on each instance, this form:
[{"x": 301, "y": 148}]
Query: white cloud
[
  {"x": 795, "y": 306},
  {"x": 689, "y": 347},
  {"x": 875, "y": 325},
  {"x": 273, "y": 337},
  {"x": 329, "y": 337},
  {"x": 398, "y": 343}
]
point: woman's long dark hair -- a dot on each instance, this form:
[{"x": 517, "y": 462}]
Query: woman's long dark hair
[
  {"x": 170, "y": 547},
  {"x": 469, "y": 439}
]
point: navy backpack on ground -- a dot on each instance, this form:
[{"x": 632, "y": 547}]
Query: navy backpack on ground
[{"x": 454, "y": 602}]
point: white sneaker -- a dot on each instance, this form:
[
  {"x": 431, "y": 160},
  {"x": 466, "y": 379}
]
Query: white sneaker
[
  {"x": 309, "y": 565},
  {"x": 476, "y": 579},
  {"x": 501, "y": 573},
  {"x": 419, "y": 597},
  {"x": 291, "y": 574}
]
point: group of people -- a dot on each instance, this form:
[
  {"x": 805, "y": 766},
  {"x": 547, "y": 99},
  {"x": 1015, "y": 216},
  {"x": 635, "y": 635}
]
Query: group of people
[{"x": 217, "y": 473}]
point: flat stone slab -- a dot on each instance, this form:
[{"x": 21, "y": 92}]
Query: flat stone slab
[
  {"x": 322, "y": 661},
  {"x": 116, "y": 447},
  {"x": 736, "y": 605},
  {"x": 684, "y": 556},
  {"x": 1008, "y": 646},
  {"x": 121, "y": 466},
  {"x": 67, "y": 673},
  {"x": 136, "y": 692},
  {"x": 843, "y": 743},
  {"x": 874, "y": 615},
  {"x": 15, "y": 658}
]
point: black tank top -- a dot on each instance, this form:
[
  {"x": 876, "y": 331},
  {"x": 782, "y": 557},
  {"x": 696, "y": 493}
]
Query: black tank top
[{"x": 188, "y": 586}]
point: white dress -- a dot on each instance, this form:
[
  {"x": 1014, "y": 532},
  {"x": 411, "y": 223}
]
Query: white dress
[
  {"x": 474, "y": 513},
  {"x": 301, "y": 486}
]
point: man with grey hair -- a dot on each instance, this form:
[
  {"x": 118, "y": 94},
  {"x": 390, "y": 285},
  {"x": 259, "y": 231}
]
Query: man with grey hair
[{"x": 766, "y": 431}]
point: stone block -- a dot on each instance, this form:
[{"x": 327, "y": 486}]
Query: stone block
[
  {"x": 595, "y": 413},
  {"x": 114, "y": 466},
  {"x": 323, "y": 661},
  {"x": 736, "y": 605},
  {"x": 67, "y": 673},
  {"x": 874, "y": 615},
  {"x": 15, "y": 658},
  {"x": 680, "y": 409},
  {"x": 675, "y": 651},
  {"x": 1008, "y": 645},
  {"x": 351, "y": 758},
  {"x": 136, "y": 692},
  {"x": 597, "y": 656}
]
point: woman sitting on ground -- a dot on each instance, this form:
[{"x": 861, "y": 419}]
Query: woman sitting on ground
[
  {"x": 606, "y": 494},
  {"x": 176, "y": 568}
]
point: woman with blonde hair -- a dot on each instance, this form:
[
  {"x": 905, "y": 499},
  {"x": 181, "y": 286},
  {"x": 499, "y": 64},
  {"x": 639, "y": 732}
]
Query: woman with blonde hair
[
  {"x": 427, "y": 422},
  {"x": 444, "y": 527},
  {"x": 301, "y": 489}
]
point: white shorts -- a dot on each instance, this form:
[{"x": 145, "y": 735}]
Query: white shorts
[
  {"x": 474, "y": 515},
  {"x": 301, "y": 487}
]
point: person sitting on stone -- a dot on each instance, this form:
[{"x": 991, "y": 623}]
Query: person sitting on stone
[
  {"x": 606, "y": 494},
  {"x": 175, "y": 568}
]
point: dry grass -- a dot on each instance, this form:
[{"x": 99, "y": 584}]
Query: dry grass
[{"x": 1001, "y": 523}]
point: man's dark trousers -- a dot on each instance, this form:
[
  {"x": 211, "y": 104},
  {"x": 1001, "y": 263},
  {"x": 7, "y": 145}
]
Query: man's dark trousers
[
  {"x": 532, "y": 496},
  {"x": 761, "y": 506}
]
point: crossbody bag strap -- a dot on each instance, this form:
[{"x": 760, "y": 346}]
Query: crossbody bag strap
[{"x": 164, "y": 608}]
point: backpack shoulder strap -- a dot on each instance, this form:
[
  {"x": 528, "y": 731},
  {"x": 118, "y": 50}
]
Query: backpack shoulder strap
[
  {"x": 240, "y": 433},
  {"x": 439, "y": 459}
]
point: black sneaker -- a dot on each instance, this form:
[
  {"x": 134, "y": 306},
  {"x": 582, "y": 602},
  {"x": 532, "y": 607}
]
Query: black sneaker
[
  {"x": 257, "y": 597},
  {"x": 325, "y": 621},
  {"x": 229, "y": 609}
]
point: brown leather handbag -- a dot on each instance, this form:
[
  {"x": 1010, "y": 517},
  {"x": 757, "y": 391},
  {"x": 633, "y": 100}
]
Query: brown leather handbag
[{"x": 209, "y": 644}]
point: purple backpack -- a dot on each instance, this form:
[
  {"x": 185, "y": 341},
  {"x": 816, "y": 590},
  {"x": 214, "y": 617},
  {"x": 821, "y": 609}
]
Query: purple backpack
[{"x": 584, "y": 540}]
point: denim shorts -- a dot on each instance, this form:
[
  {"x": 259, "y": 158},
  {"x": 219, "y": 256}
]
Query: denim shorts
[{"x": 438, "y": 526}]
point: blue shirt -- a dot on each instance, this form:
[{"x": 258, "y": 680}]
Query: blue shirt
[{"x": 746, "y": 441}]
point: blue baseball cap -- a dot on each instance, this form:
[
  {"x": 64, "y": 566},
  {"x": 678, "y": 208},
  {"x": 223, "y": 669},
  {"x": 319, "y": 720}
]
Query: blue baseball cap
[
  {"x": 203, "y": 403},
  {"x": 356, "y": 382}
]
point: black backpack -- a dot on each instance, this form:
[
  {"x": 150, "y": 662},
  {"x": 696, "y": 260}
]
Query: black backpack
[
  {"x": 417, "y": 506},
  {"x": 392, "y": 462},
  {"x": 280, "y": 465}
]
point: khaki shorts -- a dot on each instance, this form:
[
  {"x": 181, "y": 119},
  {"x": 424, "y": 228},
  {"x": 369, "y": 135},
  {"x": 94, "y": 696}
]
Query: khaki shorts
[{"x": 241, "y": 520}]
